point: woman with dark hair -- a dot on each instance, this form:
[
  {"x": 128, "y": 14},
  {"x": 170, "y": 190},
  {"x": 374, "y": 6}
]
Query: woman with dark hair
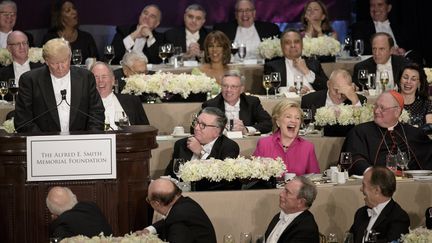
[
  {"x": 315, "y": 20},
  {"x": 414, "y": 88},
  {"x": 64, "y": 23}
]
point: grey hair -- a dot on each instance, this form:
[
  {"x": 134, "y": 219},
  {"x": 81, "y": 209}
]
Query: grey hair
[
  {"x": 58, "y": 209},
  {"x": 344, "y": 73},
  {"x": 156, "y": 7},
  {"x": 8, "y": 3},
  {"x": 196, "y": 7},
  {"x": 307, "y": 191},
  {"x": 235, "y": 73},
  {"x": 238, "y": 2},
  {"x": 103, "y": 64},
  {"x": 130, "y": 58},
  {"x": 221, "y": 119}
]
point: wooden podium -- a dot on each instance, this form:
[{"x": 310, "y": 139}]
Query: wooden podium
[{"x": 24, "y": 215}]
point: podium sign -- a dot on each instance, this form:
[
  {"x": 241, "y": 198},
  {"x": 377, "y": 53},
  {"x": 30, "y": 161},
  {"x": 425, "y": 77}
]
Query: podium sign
[{"x": 72, "y": 157}]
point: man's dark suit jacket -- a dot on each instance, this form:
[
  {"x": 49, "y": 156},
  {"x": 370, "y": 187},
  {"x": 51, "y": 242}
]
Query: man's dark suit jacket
[
  {"x": 397, "y": 62},
  {"x": 251, "y": 111},
  {"x": 264, "y": 29},
  {"x": 7, "y": 73},
  {"x": 151, "y": 52},
  {"x": 85, "y": 218},
  {"x": 36, "y": 100},
  {"x": 177, "y": 36},
  {"x": 314, "y": 65},
  {"x": 134, "y": 110},
  {"x": 186, "y": 223},
  {"x": 302, "y": 229},
  {"x": 390, "y": 224}
]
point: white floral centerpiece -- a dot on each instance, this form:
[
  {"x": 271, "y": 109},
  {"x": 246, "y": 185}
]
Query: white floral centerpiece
[
  {"x": 127, "y": 238},
  {"x": 349, "y": 115},
  {"x": 35, "y": 55},
  {"x": 428, "y": 72},
  {"x": 162, "y": 83},
  {"x": 418, "y": 235},
  {"x": 320, "y": 46},
  {"x": 8, "y": 126},
  {"x": 270, "y": 48},
  {"x": 230, "y": 169}
]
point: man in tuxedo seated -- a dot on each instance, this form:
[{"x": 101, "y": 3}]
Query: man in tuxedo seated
[
  {"x": 126, "y": 105},
  {"x": 295, "y": 223},
  {"x": 8, "y": 16},
  {"x": 382, "y": 60},
  {"x": 246, "y": 29},
  {"x": 245, "y": 111},
  {"x": 57, "y": 97},
  {"x": 381, "y": 213},
  {"x": 132, "y": 63},
  {"x": 185, "y": 220},
  {"x": 293, "y": 64},
  {"x": 71, "y": 218},
  {"x": 371, "y": 142},
  {"x": 142, "y": 37},
  {"x": 18, "y": 47},
  {"x": 191, "y": 36}
]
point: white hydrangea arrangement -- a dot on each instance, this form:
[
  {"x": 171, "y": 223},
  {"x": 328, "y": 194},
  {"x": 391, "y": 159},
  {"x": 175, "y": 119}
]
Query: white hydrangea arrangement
[
  {"x": 127, "y": 238},
  {"x": 320, "y": 46},
  {"x": 428, "y": 72},
  {"x": 230, "y": 169},
  {"x": 270, "y": 48},
  {"x": 418, "y": 235},
  {"x": 8, "y": 126},
  {"x": 162, "y": 83},
  {"x": 349, "y": 115},
  {"x": 35, "y": 55}
]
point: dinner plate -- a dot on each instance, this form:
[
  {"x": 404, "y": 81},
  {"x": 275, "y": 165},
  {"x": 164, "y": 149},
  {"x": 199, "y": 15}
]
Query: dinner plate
[
  {"x": 181, "y": 135},
  {"x": 418, "y": 172}
]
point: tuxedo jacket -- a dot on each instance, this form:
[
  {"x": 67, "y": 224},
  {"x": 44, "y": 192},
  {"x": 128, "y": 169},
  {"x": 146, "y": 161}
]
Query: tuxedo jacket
[
  {"x": 314, "y": 65},
  {"x": 251, "y": 111},
  {"x": 85, "y": 218},
  {"x": 390, "y": 224},
  {"x": 133, "y": 108},
  {"x": 318, "y": 99},
  {"x": 264, "y": 29},
  {"x": 152, "y": 52},
  {"x": 177, "y": 36},
  {"x": 36, "y": 106},
  {"x": 186, "y": 223},
  {"x": 303, "y": 229},
  {"x": 7, "y": 73},
  {"x": 397, "y": 62}
]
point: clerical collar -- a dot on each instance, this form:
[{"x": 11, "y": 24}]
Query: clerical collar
[{"x": 392, "y": 127}]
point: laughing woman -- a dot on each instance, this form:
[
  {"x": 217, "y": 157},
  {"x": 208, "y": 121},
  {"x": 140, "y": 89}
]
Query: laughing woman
[{"x": 297, "y": 153}]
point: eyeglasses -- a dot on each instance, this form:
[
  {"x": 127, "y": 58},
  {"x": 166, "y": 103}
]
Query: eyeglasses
[
  {"x": 8, "y": 14},
  {"x": 24, "y": 43},
  {"x": 383, "y": 109},
  {"x": 243, "y": 11},
  {"x": 231, "y": 86},
  {"x": 201, "y": 125}
]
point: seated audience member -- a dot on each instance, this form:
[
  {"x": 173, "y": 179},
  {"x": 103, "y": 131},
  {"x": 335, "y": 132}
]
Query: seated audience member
[
  {"x": 381, "y": 60},
  {"x": 64, "y": 24},
  {"x": 428, "y": 218},
  {"x": 8, "y": 16},
  {"x": 191, "y": 36},
  {"x": 295, "y": 223},
  {"x": 128, "y": 105},
  {"x": 142, "y": 37},
  {"x": 293, "y": 64},
  {"x": 246, "y": 29},
  {"x": 185, "y": 220},
  {"x": 381, "y": 213},
  {"x": 246, "y": 111},
  {"x": 414, "y": 87},
  {"x": 18, "y": 47},
  {"x": 217, "y": 54},
  {"x": 207, "y": 142},
  {"x": 132, "y": 63},
  {"x": 297, "y": 153},
  {"x": 41, "y": 90},
  {"x": 340, "y": 90},
  {"x": 72, "y": 218},
  {"x": 371, "y": 142},
  {"x": 316, "y": 20}
]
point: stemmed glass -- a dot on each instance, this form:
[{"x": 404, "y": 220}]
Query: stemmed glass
[
  {"x": 391, "y": 162},
  {"x": 307, "y": 118},
  {"x": 242, "y": 52},
  {"x": 345, "y": 160},
  {"x": 348, "y": 238},
  {"x": 370, "y": 236},
  {"x": 177, "y": 164},
  {"x": 359, "y": 47},
  {"x": 403, "y": 161},
  {"x": 362, "y": 76},
  {"x": 275, "y": 81},
  {"x": 371, "y": 81},
  {"x": 76, "y": 57},
  {"x": 13, "y": 89},
  {"x": 109, "y": 53},
  {"x": 267, "y": 83},
  {"x": 228, "y": 238},
  {"x": 234, "y": 49},
  {"x": 298, "y": 83},
  {"x": 245, "y": 237},
  {"x": 384, "y": 79},
  {"x": 332, "y": 238},
  {"x": 163, "y": 53},
  {"x": 3, "y": 90}
]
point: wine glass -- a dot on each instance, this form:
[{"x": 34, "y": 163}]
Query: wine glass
[
  {"x": 362, "y": 76},
  {"x": 298, "y": 83},
  {"x": 371, "y": 84},
  {"x": 242, "y": 52},
  {"x": 275, "y": 81},
  {"x": 177, "y": 164},
  {"x": 345, "y": 160},
  {"x": 391, "y": 162},
  {"x": 245, "y": 237},
  {"x": 307, "y": 118},
  {"x": 332, "y": 238},
  {"x": 370, "y": 236},
  {"x": 13, "y": 89},
  {"x": 384, "y": 79},
  {"x": 3, "y": 90},
  {"x": 358, "y": 47},
  {"x": 403, "y": 161},
  {"x": 234, "y": 49},
  {"x": 169, "y": 49},
  {"x": 76, "y": 56},
  {"x": 267, "y": 83},
  {"x": 228, "y": 238},
  {"x": 109, "y": 53},
  {"x": 163, "y": 53}
]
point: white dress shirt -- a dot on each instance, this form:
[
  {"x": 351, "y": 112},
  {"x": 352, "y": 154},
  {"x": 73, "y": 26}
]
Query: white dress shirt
[
  {"x": 191, "y": 38},
  {"x": 138, "y": 45},
  {"x": 63, "y": 109},
  {"x": 386, "y": 67},
  {"x": 20, "y": 69},
  {"x": 206, "y": 150},
  {"x": 291, "y": 72},
  {"x": 385, "y": 27},
  {"x": 284, "y": 221},
  {"x": 112, "y": 105},
  {"x": 374, "y": 214},
  {"x": 233, "y": 112},
  {"x": 3, "y": 39},
  {"x": 249, "y": 37}
]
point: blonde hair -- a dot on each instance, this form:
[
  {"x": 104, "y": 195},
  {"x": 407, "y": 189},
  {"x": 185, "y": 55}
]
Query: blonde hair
[
  {"x": 56, "y": 47},
  {"x": 280, "y": 108}
]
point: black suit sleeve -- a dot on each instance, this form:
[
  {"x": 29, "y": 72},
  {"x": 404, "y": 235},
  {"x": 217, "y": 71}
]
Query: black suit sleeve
[
  {"x": 321, "y": 79},
  {"x": 229, "y": 149},
  {"x": 23, "y": 106},
  {"x": 263, "y": 121},
  {"x": 180, "y": 233},
  {"x": 117, "y": 42}
]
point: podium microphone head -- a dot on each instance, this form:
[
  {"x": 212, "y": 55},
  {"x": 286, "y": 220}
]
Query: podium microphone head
[{"x": 63, "y": 94}]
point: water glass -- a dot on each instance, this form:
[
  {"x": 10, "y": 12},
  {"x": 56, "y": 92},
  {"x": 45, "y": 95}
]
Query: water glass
[
  {"x": 391, "y": 162},
  {"x": 298, "y": 83},
  {"x": 228, "y": 238},
  {"x": 403, "y": 161},
  {"x": 359, "y": 47},
  {"x": 242, "y": 52},
  {"x": 76, "y": 57},
  {"x": 370, "y": 236},
  {"x": 245, "y": 237},
  {"x": 259, "y": 239},
  {"x": 362, "y": 76},
  {"x": 109, "y": 53},
  {"x": 177, "y": 164},
  {"x": 275, "y": 81}
]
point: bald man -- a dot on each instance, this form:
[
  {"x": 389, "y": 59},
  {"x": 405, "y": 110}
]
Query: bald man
[
  {"x": 185, "y": 220},
  {"x": 71, "y": 218}
]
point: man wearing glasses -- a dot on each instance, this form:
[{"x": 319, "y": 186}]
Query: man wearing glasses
[
  {"x": 8, "y": 15},
  {"x": 207, "y": 142},
  {"x": 371, "y": 142},
  {"x": 246, "y": 30}
]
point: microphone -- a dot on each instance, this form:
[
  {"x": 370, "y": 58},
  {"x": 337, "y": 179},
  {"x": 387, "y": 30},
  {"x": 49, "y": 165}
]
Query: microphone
[{"x": 63, "y": 94}]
